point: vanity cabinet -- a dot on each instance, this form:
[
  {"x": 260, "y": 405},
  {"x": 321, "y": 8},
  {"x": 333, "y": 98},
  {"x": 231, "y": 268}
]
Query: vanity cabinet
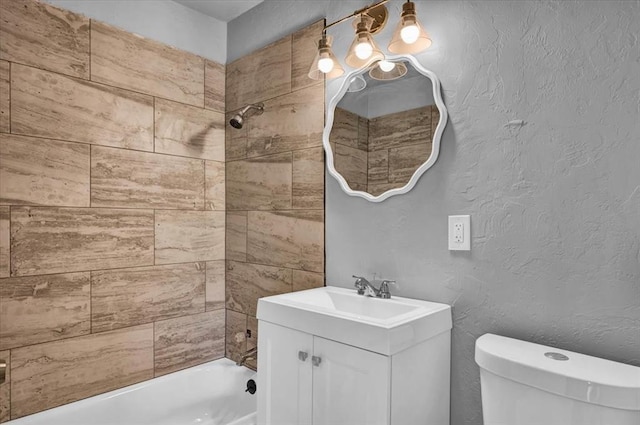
[
  {"x": 328, "y": 356},
  {"x": 307, "y": 380}
]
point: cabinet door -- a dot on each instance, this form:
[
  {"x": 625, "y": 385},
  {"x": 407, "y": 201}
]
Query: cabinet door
[
  {"x": 284, "y": 378},
  {"x": 350, "y": 385}
]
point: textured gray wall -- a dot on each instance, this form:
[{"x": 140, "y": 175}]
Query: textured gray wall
[{"x": 554, "y": 204}]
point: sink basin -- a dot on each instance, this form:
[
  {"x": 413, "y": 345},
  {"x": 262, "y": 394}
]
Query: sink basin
[{"x": 385, "y": 326}]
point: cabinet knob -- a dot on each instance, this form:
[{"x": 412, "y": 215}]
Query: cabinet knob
[
  {"x": 316, "y": 360},
  {"x": 302, "y": 355}
]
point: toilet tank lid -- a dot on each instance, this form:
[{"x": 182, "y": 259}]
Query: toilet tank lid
[{"x": 581, "y": 377}]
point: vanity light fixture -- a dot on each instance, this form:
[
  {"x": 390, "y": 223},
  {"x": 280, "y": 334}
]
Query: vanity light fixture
[
  {"x": 363, "y": 48},
  {"x": 325, "y": 62},
  {"x": 369, "y": 20},
  {"x": 409, "y": 36},
  {"x": 385, "y": 70}
]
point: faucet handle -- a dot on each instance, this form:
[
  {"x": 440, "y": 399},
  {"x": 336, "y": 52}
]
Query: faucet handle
[
  {"x": 359, "y": 285},
  {"x": 384, "y": 288}
]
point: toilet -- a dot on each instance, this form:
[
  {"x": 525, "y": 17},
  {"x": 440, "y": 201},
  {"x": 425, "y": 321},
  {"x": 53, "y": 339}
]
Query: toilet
[{"x": 530, "y": 384}]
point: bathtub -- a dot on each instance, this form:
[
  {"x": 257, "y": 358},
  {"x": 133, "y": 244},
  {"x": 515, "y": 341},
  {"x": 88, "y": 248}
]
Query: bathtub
[{"x": 210, "y": 394}]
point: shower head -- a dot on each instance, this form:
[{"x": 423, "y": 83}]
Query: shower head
[{"x": 238, "y": 119}]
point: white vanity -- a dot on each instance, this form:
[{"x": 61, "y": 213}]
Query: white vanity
[{"x": 328, "y": 356}]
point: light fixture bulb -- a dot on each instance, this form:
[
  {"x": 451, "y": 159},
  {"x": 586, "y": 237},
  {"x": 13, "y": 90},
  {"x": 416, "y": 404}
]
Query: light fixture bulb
[
  {"x": 410, "y": 33},
  {"x": 386, "y": 66},
  {"x": 364, "y": 50},
  {"x": 410, "y": 36},
  {"x": 325, "y": 65}
]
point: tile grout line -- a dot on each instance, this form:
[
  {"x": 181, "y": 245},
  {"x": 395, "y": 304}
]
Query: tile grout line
[{"x": 10, "y": 100}]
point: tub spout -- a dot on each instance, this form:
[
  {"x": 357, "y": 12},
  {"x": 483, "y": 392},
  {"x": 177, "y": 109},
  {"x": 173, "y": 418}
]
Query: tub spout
[{"x": 249, "y": 355}]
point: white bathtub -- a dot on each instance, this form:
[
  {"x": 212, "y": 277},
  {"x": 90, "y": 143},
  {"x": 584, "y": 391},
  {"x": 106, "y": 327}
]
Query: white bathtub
[{"x": 209, "y": 394}]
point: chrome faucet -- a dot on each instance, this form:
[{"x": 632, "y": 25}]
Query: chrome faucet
[
  {"x": 249, "y": 355},
  {"x": 365, "y": 288}
]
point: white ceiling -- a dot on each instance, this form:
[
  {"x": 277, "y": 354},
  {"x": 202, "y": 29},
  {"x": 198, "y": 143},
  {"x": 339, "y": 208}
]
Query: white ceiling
[{"x": 222, "y": 10}]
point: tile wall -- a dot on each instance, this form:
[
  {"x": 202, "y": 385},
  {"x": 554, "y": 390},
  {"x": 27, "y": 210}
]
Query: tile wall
[
  {"x": 275, "y": 181},
  {"x": 112, "y": 208},
  {"x": 378, "y": 154}
]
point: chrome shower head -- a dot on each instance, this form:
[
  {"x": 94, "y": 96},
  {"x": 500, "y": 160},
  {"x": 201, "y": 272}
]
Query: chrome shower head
[{"x": 238, "y": 119}]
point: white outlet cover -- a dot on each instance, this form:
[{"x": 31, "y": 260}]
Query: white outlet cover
[{"x": 455, "y": 244}]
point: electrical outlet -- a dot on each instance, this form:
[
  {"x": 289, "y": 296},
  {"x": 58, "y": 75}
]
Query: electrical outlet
[{"x": 459, "y": 233}]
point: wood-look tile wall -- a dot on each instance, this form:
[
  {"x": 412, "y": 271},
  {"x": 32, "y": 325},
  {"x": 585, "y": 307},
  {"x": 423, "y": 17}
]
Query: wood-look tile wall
[
  {"x": 378, "y": 154},
  {"x": 112, "y": 208},
  {"x": 275, "y": 181}
]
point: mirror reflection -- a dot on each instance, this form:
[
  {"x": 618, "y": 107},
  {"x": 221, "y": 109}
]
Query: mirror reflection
[{"x": 383, "y": 126}]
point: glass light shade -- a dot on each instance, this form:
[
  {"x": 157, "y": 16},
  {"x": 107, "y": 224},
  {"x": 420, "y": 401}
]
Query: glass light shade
[
  {"x": 379, "y": 71},
  {"x": 386, "y": 66},
  {"x": 325, "y": 62},
  {"x": 357, "y": 84},
  {"x": 409, "y": 36},
  {"x": 364, "y": 49}
]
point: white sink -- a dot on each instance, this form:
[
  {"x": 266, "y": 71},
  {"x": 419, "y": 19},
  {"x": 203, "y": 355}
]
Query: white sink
[{"x": 385, "y": 326}]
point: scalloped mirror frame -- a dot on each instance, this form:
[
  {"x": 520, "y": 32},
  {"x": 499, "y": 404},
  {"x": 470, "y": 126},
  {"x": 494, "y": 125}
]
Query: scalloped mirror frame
[{"x": 435, "y": 150}]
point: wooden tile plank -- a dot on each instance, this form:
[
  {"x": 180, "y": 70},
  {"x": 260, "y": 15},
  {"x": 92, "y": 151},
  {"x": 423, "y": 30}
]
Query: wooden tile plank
[
  {"x": 363, "y": 134},
  {"x": 131, "y": 179},
  {"x": 293, "y": 239},
  {"x": 307, "y": 280},
  {"x": 397, "y": 129},
  {"x": 188, "y": 341},
  {"x": 215, "y": 284},
  {"x": 405, "y": 160},
  {"x": 130, "y": 61},
  {"x": 59, "y": 240},
  {"x": 351, "y": 163},
  {"x": 303, "y": 51},
  {"x": 290, "y": 122},
  {"x": 236, "y": 234},
  {"x": 128, "y": 297},
  {"x": 214, "y": 86},
  {"x": 5, "y": 97},
  {"x": 188, "y": 131},
  {"x": 378, "y": 171},
  {"x": 5, "y": 225},
  {"x": 36, "y": 171},
  {"x": 215, "y": 186},
  {"x": 183, "y": 236},
  {"x": 64, "y": 371},
  {"x": 59, "y": 107},
  {"x": 260, "y": 183},
  {"x": 261, "y": 75},
  {"x": 308, "y": 178},
  {"x": 235, "y": 340},
  {"x": 37, "y": 34},
  {"x": 43, "y": 308},
  {"x": 345, "y": 128},
  {"x": 247, "y": 282},
  {"x": 5, "y": 388}
]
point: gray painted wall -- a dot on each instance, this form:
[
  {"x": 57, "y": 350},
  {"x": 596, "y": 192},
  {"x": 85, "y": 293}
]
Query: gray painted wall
[
  {"x": 555, "y": 203},
  {"x": 162, "y": 20}
]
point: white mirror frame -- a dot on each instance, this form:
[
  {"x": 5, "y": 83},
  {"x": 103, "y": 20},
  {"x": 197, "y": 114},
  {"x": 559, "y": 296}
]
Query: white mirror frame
[{"x": 437, "y": 96}]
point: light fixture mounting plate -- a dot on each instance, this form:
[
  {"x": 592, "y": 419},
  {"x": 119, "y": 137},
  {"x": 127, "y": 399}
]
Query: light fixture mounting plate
[{"x": 379, "y": 14}]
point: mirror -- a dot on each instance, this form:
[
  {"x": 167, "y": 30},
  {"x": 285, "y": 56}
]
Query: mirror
[{"x": 384, "y": 127}]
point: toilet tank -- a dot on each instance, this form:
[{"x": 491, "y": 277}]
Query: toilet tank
[{"x": 530, "y": 384}]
